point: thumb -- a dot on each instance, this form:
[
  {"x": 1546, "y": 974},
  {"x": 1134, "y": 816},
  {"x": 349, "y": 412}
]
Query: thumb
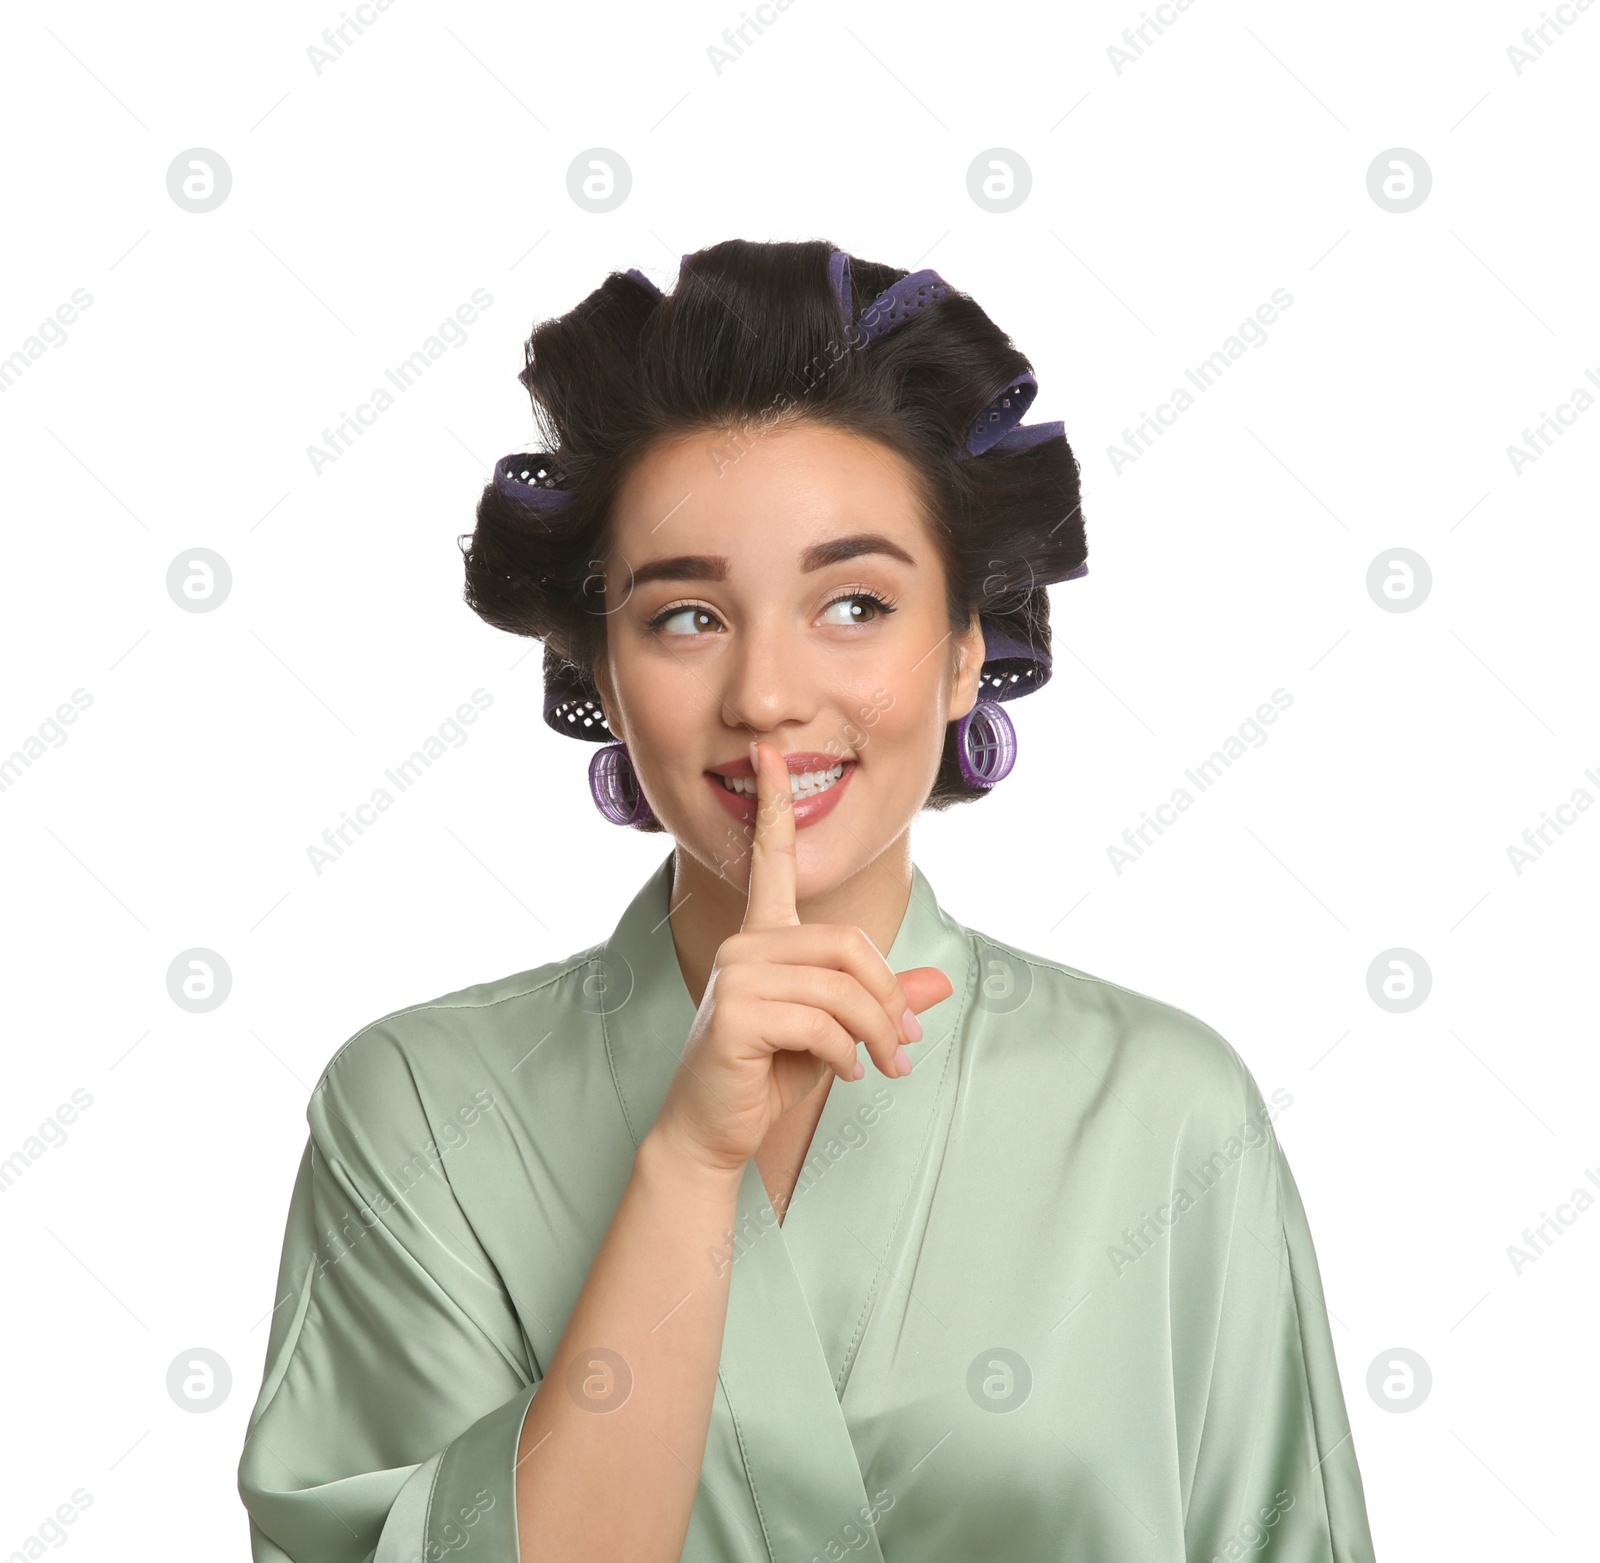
[{"x": 924, "y": 986}]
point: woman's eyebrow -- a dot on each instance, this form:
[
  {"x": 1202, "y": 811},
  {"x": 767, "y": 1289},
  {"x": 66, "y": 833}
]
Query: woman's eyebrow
[
  {"x": 714, "y": 567},
  {"x": 837, "y": 549}
]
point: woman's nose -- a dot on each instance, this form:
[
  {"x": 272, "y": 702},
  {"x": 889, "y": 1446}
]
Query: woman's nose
[{"x": 767, "y": 681}]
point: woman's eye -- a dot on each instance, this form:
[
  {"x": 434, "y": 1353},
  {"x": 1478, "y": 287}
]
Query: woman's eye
[
  {"x": 683, "y": 621},
  {"x": 860, "y": 608}
]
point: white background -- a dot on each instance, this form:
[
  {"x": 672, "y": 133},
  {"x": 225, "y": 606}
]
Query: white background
[{"x": 1168, "y": 201}]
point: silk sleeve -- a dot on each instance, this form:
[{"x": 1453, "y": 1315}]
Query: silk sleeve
[
  {"x": 397, "y": 1376},
  {"x": 1274, "y": 1470}
]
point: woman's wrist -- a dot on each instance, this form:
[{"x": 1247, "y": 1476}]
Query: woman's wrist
[{"x": 664, "y": 1156}]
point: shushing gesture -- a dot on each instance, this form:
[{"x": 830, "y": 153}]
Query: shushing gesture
[{"x": 786, "y": 1001}]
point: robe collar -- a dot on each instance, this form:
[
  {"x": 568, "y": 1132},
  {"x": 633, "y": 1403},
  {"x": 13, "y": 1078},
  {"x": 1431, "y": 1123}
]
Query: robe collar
[{"x": 802, "y": 1294}]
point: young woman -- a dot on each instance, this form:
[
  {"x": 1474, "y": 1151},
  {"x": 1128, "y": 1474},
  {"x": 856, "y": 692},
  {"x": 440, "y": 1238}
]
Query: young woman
[{"x": 796, "y": 1220}]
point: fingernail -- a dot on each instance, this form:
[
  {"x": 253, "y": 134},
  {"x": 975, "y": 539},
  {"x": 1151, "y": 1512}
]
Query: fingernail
[
  {"x": 902, "y": 1062},
  {"x": 755, "y": 759},
  {"x": 911, "y": 1026},
  {"x": 861, "y": 1069}
]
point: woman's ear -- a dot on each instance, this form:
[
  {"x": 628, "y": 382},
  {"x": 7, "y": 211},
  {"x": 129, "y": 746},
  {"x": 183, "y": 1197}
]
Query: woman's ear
[{"x": 969, "y": 654}]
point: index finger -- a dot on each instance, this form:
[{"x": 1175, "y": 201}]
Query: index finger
[{"x": 772, "y": 855}]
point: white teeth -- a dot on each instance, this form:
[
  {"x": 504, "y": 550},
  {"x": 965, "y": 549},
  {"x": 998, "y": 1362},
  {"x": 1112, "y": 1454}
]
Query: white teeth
[{"x": 802, "y": 785}]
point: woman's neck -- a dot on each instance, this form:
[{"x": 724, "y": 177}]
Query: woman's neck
[{"x": 706, "y": 908}]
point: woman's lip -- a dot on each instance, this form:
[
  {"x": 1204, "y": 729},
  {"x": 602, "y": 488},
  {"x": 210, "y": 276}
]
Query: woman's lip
[
  {"x": 807, "y": 811},
  {"x": 799, "y": 762}
]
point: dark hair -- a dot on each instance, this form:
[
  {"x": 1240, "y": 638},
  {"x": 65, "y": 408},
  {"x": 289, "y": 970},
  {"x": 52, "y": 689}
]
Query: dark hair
[{"x": 753, "y": 335}]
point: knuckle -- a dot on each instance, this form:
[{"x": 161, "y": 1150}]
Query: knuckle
[
  {"x": 883, "y": 1031},
  {"x": 849, "y": 939},
  {"x": 854, "y": 994},
  {"x": 872, "y": 960}
]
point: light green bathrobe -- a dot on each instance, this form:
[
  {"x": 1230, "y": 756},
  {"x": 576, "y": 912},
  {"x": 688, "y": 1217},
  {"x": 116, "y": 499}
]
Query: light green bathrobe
[{"x": 1050, "y": 1297}]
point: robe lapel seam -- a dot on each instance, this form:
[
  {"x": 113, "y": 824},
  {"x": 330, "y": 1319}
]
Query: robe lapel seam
[
  {"x": 749, "y": 1474},
  {"x": 934, "y": 1108},
  {"x": 613, "y": 1059},
  {"x": 616, "y": 1078}
]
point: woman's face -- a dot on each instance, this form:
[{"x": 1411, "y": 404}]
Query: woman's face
[{"x": 782, "y": 586}]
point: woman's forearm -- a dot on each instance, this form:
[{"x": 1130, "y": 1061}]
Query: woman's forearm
[{"x": 609, "y": 1459}]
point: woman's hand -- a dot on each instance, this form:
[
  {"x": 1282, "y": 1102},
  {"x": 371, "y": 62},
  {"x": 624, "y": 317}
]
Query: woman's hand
[{"x": 785, "y": 1003}]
